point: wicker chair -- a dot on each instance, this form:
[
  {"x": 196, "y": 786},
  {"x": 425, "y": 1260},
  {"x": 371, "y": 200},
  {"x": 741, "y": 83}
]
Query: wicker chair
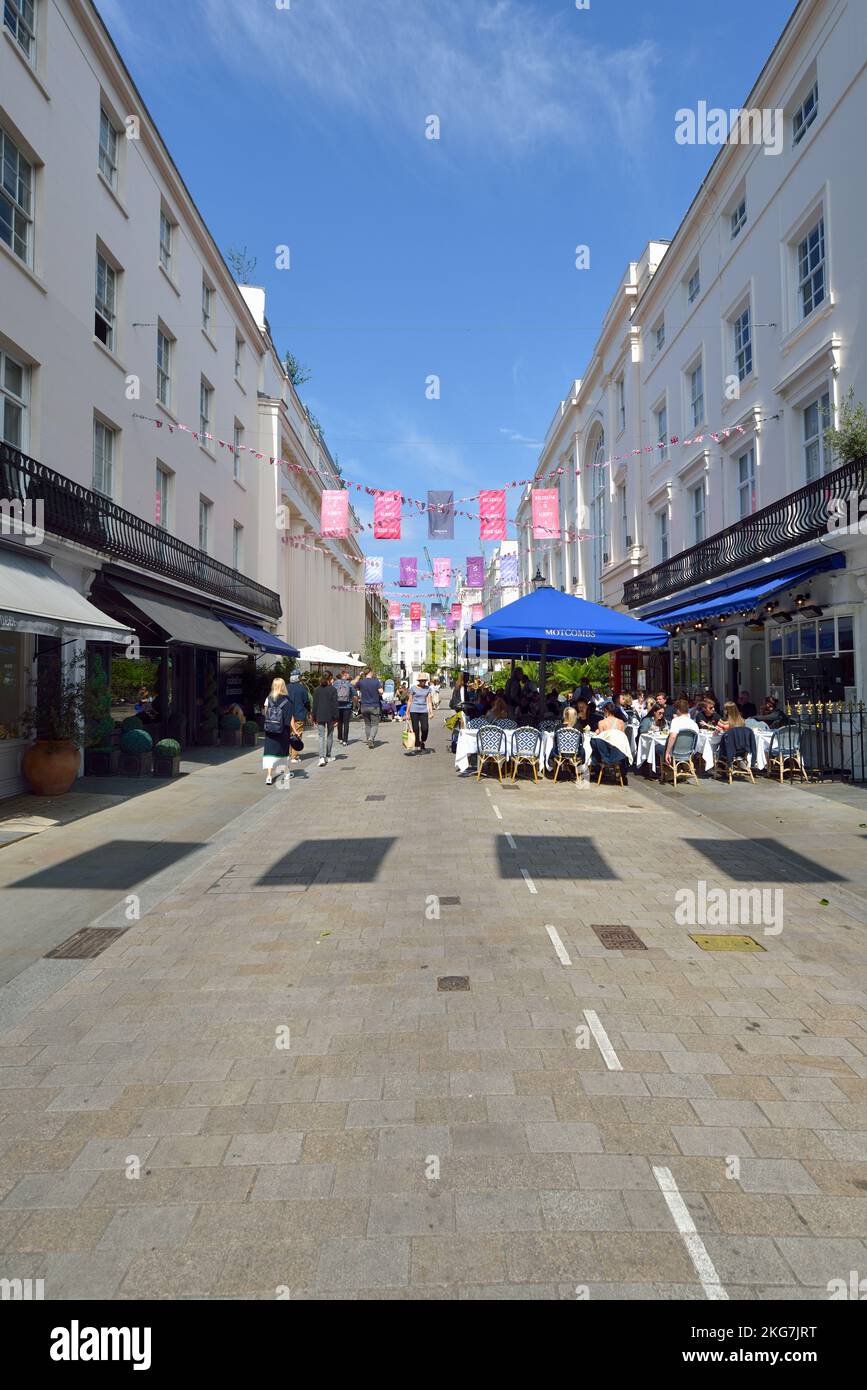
[
  {"x": 785, "y": 749},
  {"x": 606, "y": 757},
  {"x": 491, "y": 747},
  {"x": 737, "y": 754},
  {"x": 568, "y": 749},
  {"x": 526, "y": 748},
  {"x": 682, "y": 750}
]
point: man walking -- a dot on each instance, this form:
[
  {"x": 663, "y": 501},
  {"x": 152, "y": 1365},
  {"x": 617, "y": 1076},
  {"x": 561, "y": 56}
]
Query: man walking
[
  {"x": 299, "y": 705},
  {"x": 344, "y": 688},
  {"x": 370, "y": 691},
  {"x": 325, "y": 716}
]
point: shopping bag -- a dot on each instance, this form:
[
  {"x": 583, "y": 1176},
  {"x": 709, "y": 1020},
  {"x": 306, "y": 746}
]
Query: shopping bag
[{"x": 408, "y": 738}]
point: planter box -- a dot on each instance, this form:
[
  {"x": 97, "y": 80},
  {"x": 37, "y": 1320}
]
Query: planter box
[
  {"x": 101, "y": 762},
  {"x": 250, "y": 738},
  {"x": 208, "y": 738},
  {"x": 230, "y": 738},
  {"x": 136, "y": 764},
  {"x": 166, "y": 767}
]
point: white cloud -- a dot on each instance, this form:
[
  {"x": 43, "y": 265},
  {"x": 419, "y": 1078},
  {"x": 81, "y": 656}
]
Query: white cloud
[
  {"x": 515, "y": 438},
  {"x": 498, "y": 73}
]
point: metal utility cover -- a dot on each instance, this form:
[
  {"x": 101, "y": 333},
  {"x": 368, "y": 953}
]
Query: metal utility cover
[
  {"x": 85, "y": 944},
  {"x": 374, "y": 798},
  {"x": 449, "y": 902},
  {"x": 725, "y": 943},
  {"x": 451, "y": 982},
  {"x": 619, "y": 938}
]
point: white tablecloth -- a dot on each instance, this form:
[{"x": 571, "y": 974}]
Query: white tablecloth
[
  {"x": 649, "y": 745},
  {"x": 468, "y": 741}
]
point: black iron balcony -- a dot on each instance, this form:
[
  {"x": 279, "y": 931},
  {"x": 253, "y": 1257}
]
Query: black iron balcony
[
  {"x": 801, "y": 516},
  {"x": 94, "y": 521}
]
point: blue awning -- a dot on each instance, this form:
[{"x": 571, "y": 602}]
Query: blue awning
[
  {"x": 267, "y": 640},
  {"x": 808, "y": 558},
  {"x": 558, "y": 624},
  {"x": 745, "y": 598}
]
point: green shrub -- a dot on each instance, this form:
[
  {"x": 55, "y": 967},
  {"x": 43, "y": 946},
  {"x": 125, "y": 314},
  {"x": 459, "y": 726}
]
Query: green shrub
[
  {"x": 132, "y": 723},
  {"x": 209, "y": 701},
  {"x": 99, "y": 724},
  {"x": 136, "y": 741},
  {"x": 230, "y": 722},
  {"x": 168, "y": 748}
]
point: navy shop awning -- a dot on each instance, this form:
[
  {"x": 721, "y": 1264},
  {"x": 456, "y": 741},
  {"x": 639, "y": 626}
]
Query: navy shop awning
[
  {"x": 747, "y": 597},
  {"x": 267, "y": 640}
]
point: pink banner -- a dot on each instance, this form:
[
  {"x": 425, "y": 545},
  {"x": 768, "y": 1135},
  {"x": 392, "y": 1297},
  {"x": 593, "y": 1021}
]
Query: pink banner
[
  {"x": 442, "y": 574},
  {"x": 334, "y": 516},
  {"x": 394, "y": 609},
  {"x": 451, "y": 622},
  {"x": 456, "y": 612},
  {"x": 546, "y": 514},
  {"x": 433, "y": 624},
  {"x": 415, "y": 611},
  {"x": 478, "y": 612},
  {"x": 386, "y": 516},
  {"x": 415, "y": 624},
  {"x": 475, "y": 571},
  {"x": 492, "y": 515}
]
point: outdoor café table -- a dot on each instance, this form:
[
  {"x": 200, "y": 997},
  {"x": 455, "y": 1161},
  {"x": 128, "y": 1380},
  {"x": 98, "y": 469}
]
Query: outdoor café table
[
  {"x": 649, "y": 745},
  {"x": 468, "y": 741}
]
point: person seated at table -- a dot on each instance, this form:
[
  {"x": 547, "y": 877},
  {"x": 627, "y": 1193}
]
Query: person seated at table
[
  {"x": 746, "y": 706},
  {"x": 667, "y": 704},
  {"x": 570, "y": 717},
  {"x": 732, "y": 717},
  {"x": 587, "y": 716},
  {"x": 611, "y": 718},
  {"x": 639, "y": 705},
  {"x": 658, "y": 721},
  {"x": 499, "y": 709},
  {"x": 773, "y": 716},
  {"x": 705, "y": 714},
  {"x": 626, "y": 704},
  {"x": 682, "y": 723}
]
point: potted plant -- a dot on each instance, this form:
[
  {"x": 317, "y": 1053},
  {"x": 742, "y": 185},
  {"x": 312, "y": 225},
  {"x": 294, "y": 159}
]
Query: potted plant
[
  {"x": 250, "y": 733},
  {"x": 51, "y": 763},
  {"x": 100, "y": 753},
  {"x": 230, "y": 731},
  {"x": 167, "y": 758},
  {"x": 136, "y": 753},
  {"x": 209, "y": 730}
]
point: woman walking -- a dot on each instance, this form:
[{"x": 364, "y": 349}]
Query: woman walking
[
  {"x": 419, "y": 710},
  {"x": 326, "y": 713},
  {"x": 278, "y": 727}
]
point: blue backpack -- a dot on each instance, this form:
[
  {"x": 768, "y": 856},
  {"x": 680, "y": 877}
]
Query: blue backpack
[{"x": 274, "y": 715}]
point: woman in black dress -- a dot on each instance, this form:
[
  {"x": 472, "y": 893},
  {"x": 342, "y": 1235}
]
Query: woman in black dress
[{"x": 278, "y": 716}]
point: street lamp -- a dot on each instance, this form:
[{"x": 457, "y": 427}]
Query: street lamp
[{"x": 538, "y": 579}]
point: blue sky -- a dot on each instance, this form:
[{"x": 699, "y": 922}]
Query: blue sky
[{"x": 455, "y": 257}]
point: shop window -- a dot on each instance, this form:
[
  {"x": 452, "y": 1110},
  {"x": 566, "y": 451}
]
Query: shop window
[{"x": 11, "y": 668}]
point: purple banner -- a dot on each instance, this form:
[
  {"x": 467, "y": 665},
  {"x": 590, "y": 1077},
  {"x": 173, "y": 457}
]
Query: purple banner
[
  {"x": 475, "y": 572},
  {"x": 408, "y": 571},
  {"x": 441, "y": 515}
]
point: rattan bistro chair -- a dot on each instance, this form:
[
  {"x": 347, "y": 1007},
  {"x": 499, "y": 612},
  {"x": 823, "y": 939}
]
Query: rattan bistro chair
[
  {"x": 682, "y": 750},
  {"x": 549, "y": 726},
  {"x": 505, "y": 723},
  {"x": 568, "y": 749},
  {"x": 785, "y": 749},
  {"x": 476, "y": 723},
  {"x": 737, "y": 754},
  {"x": 606, "y": 757},
  {"x": 526, "y": 748},
  {"x": 491, "y": 747}
]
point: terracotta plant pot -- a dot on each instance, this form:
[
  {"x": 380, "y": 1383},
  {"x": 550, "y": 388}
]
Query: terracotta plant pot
[{"x": 51, "y": 766}]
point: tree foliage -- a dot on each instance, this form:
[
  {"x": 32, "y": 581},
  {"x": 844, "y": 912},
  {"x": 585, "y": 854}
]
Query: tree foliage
[{"x": 848, "y": 441}]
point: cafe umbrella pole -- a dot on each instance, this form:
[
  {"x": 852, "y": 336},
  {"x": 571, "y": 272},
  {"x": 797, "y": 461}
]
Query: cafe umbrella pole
[{"x": 543, "y": 664}]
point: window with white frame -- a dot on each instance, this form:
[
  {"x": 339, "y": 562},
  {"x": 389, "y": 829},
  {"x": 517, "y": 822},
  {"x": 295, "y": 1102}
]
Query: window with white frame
[
  {"x": 621, "y": 403},
  {"x": 164, "y": 368},
  {"x": 599, "y": 518},
  {"x": 698, "y": 515},
  {"x": 623, "y": 514},
  {"x": 207, "y": 305},
  {"x": 746, "y": 485},
  {"x": 19, "y": 17},
  {"x": 237, "y": 442},
  {"x": 743, "y": 343},
  {"x": 239, "y": 358},
  {"x": 738, "y": 218},
  {"x": 660, "y": 419},
  {"x": 167, "y": 239},
  {"x": 104, "y": 439},
  {"x": 696, "y": 395},
  {"x": 817, "y": 419},
  {"x": 161, "y": 498},
  {"x": 105, "y": 315},
  {"x": 205, "y": 509},
  {"x": 107, "y": 148},
  {"x": 237, "y": 546},
  {"x": 805, "y": 114},
  {"x": 16, "y": 199},
  {"x": 693, "y": 286},
  {"x": 659, "y": 335},
  {"x": 206, "y": 407},
  {"x": 662, "y": 543},
  {"x": 811, "y": 269},
  {"x": 14, "y": 401}
]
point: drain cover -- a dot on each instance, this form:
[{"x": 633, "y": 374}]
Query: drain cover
[
  {"x": 374, "y": 798},
  {"x": 725, "y": 943},
  {"x": 85, "y": 944},
  {"x": 449, "y": 982},
  {"x": 449, "y": 902},
  {"x": 616, "y": 938}
]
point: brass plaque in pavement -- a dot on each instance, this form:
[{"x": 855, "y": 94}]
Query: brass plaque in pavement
[
  {"x": 725, "y": 943},
  {"x": 618, "y": 938},
  {"x": 85, "y": 944}
]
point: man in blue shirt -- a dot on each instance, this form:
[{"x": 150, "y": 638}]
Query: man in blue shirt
[
  {"x": 370, "y": 691},
  {"x": 299, "y": 704}
]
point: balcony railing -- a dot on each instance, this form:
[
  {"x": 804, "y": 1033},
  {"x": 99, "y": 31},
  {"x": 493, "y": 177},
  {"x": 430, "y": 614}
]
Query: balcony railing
[
  {"x": 94, "y": 521},
  {"x": 800, "y": 516}
]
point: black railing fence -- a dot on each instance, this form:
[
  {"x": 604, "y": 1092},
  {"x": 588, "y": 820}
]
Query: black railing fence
[
  {"x": 833, "y": 739},
  {"x": 798, "y": 517},
  {"x": 86, "y": 517}
]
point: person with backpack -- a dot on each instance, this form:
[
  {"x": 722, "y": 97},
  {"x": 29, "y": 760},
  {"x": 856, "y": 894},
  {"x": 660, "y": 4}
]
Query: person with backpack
[
  {"x": 325, "y": 714},
  {"x": 371, "y": 692},
  {"x": 345, "y": 691},
  {"x": 278, "y": 727}
]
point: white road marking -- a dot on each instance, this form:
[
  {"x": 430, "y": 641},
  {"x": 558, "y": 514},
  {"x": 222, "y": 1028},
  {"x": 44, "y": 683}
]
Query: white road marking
[
  {"x": 487, "y": 791},
  {"x": 612, "y": 1061},
  {"x": 498, "y": 813},
  {"x": 562, "y": 953},
  {"x": 512, "y": 844},
  {"x": 529, "y": 882},
  {"x": 695, "y": 1246}
]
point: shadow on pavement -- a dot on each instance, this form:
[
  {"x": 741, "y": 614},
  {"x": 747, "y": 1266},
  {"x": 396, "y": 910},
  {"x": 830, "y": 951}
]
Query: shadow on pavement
[
  {"x": 750, "y": 861},
  {"x": 326, "y": 861},
  {"x": 117, "y": 864},
  {"x": 553, "y": 856}
]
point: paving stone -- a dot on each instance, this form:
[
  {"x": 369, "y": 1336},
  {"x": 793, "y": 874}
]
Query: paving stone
[
  {"x": 146, "y": 1227},
  {"x": 412, "y": 1214},
  {"x": 458, "y": 1259},
  {"x": 375, "y": 1262},
  {"x": 249, "y": 1149},
  {"x": 774, "y": 1175}
]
